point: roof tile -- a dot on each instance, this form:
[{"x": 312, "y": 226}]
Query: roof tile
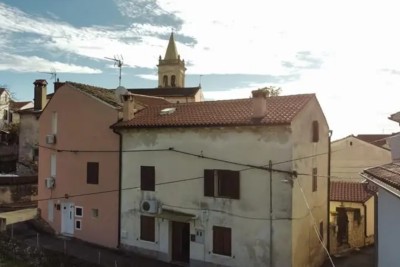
[
  {"x": 350, "y": 191},
  {"x": 387, "y": 173}
]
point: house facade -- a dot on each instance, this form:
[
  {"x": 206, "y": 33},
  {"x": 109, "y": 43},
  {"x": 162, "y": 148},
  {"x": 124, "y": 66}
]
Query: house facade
[
  {"x": 79, "y": 162},
  {"x": 195, "y": 188},
  {"x": 352, "y": 216}
]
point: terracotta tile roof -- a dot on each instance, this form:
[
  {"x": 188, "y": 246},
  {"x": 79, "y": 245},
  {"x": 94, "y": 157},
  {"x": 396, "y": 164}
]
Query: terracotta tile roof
[
  {"x": 150, "y": 100},
  {"x": 388, "y": 173},
  {"x": 395, "y": 117},
  {"x": 350, "y": 191},
  {"x": 280, "y": 110},
  {"x": 18, "y": 105},
  {"x": 375, "y": 139},
  {"x": 164, "y": 92}
]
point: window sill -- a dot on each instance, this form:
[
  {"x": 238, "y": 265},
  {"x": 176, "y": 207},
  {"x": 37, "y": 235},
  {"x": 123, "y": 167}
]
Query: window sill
[
  {"x": 147, "y": 241},
  {"x": 221, "y": 255}
]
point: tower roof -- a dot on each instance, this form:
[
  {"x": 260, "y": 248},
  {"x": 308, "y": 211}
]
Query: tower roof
[{"x": 171, "y": 52}]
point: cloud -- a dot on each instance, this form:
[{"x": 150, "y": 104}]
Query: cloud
[
  {"x": 33, "y": 64},
  {"x": 148, "y": 77}
]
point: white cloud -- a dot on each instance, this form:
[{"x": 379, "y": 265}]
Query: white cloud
[
  {"x": 148, "y": 77},
  {"x": 34, "y": 63}
]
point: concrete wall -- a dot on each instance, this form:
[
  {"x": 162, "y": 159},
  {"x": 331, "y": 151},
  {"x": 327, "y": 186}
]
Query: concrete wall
[
  {"x": 307, "y": 249},
  {"x": 248, "y": 217},
  {"x": 82, "y": 125},
  {"x": 389, "y": 235},
  {"x": 28, "y": 140},
  {"x": 350, "y": 156}
]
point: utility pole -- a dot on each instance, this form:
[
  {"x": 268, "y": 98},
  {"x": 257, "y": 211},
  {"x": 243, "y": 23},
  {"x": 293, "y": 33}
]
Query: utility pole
[{"x": 270, "y": 215}]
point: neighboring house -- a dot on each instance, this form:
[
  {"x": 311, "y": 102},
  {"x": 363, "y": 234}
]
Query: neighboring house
[
  {"x": 79, "y": 162},
  {"x": 351, "y": 216},
  {"x": 171, "y": 79},
  {"x": 192, "y": 191},
  {"x": 5, "y": 99},
  {"x": 387, "y": 178},
  {"x": 352, "y": 154}
]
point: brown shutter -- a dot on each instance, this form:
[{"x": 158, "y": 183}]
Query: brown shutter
[
  {"x": 315, "y": 131},
  {"x": 235, "y": 184},
  {"x": 227, "y": 241},
  {"x": 209, "y": 183},
  {"x": 92, "y": 173},
  {"x": 147, "y": 178},
  {"x": 147, "y": 228},
  {"x": 218, "y": 240}
]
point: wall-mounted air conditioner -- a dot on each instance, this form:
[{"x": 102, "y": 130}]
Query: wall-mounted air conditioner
[
  {"x": 149, "y": 206},
  {"x": 50, "y": 139},
  {"x": 50, "y": 182}
]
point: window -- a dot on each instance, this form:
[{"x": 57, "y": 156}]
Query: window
[
  {"x": 78, "y": 211},
  {"x": 95, "y": 213},
  {"x": 92, "y": 173},
  {"x": 5, "y": 115},
  {"x": 222, "y": 183},
  {"x": 222, "y": 237},
  {"x": 173, "y": 78},
  {"x": 78, "y": 224},
  {"x": 147, "y": 228},
  {"x": 35, "y": 154},
  {"x": 54, "y": 123},
  {"x": 314, "y": 179},
  {"x": 315, "y": 131},
  {"x": 165, "y": 80},
  {"x": 321, "y": 230},
  {"x": 147, "y": 178},
  {"x": 53, "y": 165}
]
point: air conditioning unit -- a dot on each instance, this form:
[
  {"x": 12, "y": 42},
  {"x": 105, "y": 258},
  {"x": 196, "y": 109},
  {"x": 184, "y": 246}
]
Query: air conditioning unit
[
  {"x": 50, "y": 139},
  {"x": 50, "y": 182},
  {"x": 149, "y": 206}
]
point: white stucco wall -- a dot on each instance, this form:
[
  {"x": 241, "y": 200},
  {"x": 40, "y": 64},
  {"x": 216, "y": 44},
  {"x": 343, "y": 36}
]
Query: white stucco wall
[
  {"x": 388, "y": 229},
  {"x": 307, "y": 249},
  {"x": 248, "y": 217},
  {"x": 370, "y": 204},
  {"x": 350, "y": 156}
]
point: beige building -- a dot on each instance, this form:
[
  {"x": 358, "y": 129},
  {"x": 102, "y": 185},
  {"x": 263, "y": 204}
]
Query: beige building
[
  {"x": 352, "y": 216},
  {"x": 352, "y": 154},
  {"x": 171, "y": 79},
  {"x": 194, "y": 189}
]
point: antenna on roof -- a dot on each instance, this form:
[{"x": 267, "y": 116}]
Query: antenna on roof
[
  {"x": 118, "y": 61},
  {"x": 53, "y": 74}
]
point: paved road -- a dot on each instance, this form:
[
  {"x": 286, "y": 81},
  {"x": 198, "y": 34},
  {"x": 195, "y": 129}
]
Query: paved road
[{"x": 363, "y": 258}]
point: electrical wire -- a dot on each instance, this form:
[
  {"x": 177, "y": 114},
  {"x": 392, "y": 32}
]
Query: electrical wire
[{"x": 314, "y": 222}]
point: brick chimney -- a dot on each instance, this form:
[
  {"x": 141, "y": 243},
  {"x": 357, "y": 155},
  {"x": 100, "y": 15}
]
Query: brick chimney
[
  {"x": 128, "y": 107},
  {"x": 40, "y": 94},
  {"x": 57, "y": 85},
  {"x": 259, "y": 102}
]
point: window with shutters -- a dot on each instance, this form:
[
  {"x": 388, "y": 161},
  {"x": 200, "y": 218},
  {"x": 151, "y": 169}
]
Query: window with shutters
[
  {"x": 147, "y": 178},
  {"x": 222, "y": 240},
  {"x": 147, "y": 228},
  {"x": 315, "y": 131},
  {"x": 222, "y": 183},
  {"x": 314, "y": 179},
  {"x": 321, "y": 230},
  {"x": 92, "y": 176}
]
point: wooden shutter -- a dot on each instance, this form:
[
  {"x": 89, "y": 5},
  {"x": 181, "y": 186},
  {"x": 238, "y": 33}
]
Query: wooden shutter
[
  {"x": 227, "y": 241},
  {"x": 321, "y": 230},
  {"x": 315, "y": 179},
  {"x": 147, "y": 228},
  {"x": 209, "y": 183},
  {"x": 222, "y": 240},
  {"x": 235, "y": 184},
  {"x": 229, "y": 184},
  {"x": 92, "y": 176},
  {"x": 315, "y": 131},
  {"x": 147, "y": 178}
]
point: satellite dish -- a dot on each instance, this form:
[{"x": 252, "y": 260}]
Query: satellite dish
[{"x": 119, "y": 92}]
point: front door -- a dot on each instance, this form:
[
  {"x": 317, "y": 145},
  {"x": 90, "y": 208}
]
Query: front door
[
  {"x": 343, "y": 224},
  {"x": 67, "y": 218},
  {"x": 180, "y": 242}
]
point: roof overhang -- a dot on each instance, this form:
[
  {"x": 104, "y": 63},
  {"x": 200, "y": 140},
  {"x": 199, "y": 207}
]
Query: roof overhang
[
  {"x": 381, "y": 184},
  {"x": 176, "y": 216}
]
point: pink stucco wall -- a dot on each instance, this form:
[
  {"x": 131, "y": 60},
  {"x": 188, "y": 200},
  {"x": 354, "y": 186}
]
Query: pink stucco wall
[{"x": 83, "y": 124}]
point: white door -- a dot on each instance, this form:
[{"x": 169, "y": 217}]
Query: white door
[{"x": 67, "y": 218}]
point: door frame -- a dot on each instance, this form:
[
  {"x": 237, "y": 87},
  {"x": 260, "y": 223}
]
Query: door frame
[
  {"x": 184, "y": 229},
  {"x": 64, "y": 226}
]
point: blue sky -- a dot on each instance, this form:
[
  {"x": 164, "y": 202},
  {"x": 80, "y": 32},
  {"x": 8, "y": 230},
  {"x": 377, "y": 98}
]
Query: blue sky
[{"x": 345, "y": 52}]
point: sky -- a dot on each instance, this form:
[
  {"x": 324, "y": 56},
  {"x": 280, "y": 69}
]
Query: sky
[{"x": 346, "y": 52}]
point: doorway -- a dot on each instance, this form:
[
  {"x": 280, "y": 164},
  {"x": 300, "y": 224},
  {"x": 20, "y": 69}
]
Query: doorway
[
  {"x": 67, "y": 218},
  {"x": 343, "y": 226},
  {"x": 180, "y": 242}
]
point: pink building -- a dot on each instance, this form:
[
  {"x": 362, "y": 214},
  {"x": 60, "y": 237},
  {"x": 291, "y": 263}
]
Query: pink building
[{"x": 79, "y": 173}]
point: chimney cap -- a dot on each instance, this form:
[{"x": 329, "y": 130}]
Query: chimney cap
[
  {"x": 260, "y": 93},
  {"x": 40, "y": 81}
]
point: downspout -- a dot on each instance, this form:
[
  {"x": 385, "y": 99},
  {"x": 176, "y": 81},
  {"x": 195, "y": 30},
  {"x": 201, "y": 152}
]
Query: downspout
[
  {"x": 270, "y": 215},
  {"x": 365, "y": 222},
  {"x": 328, "y": 223},
  {"x": 119, "y": 187}
]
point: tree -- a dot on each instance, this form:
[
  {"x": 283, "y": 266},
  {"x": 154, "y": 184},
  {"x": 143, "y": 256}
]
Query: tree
[{"x": 271, "y": 90}]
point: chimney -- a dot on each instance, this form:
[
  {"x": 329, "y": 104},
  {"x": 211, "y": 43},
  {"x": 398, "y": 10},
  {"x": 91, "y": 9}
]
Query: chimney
[
  {"x": 40, "y": 94},
  {"x": 394, "y": 144},
  {"x": 57, "y": 85},
  {"x": 128, "y": 107},
  {"x": 259, "y": 102}
]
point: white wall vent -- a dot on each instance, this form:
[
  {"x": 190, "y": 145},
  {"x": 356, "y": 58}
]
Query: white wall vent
[
  {"x": 166, "y": 111},
  {"x": 149, "y": 206},
  {"x": 50, "y": 182},
  {"x": 50, "y": 139}
]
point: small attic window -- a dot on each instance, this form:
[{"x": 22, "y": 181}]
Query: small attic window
[{"x": 166, "y": 111}]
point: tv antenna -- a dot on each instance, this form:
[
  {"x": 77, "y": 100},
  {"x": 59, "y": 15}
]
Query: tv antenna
[
  {"x": 53, "y": 74},
  {"x": 118, "y": 61}
]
